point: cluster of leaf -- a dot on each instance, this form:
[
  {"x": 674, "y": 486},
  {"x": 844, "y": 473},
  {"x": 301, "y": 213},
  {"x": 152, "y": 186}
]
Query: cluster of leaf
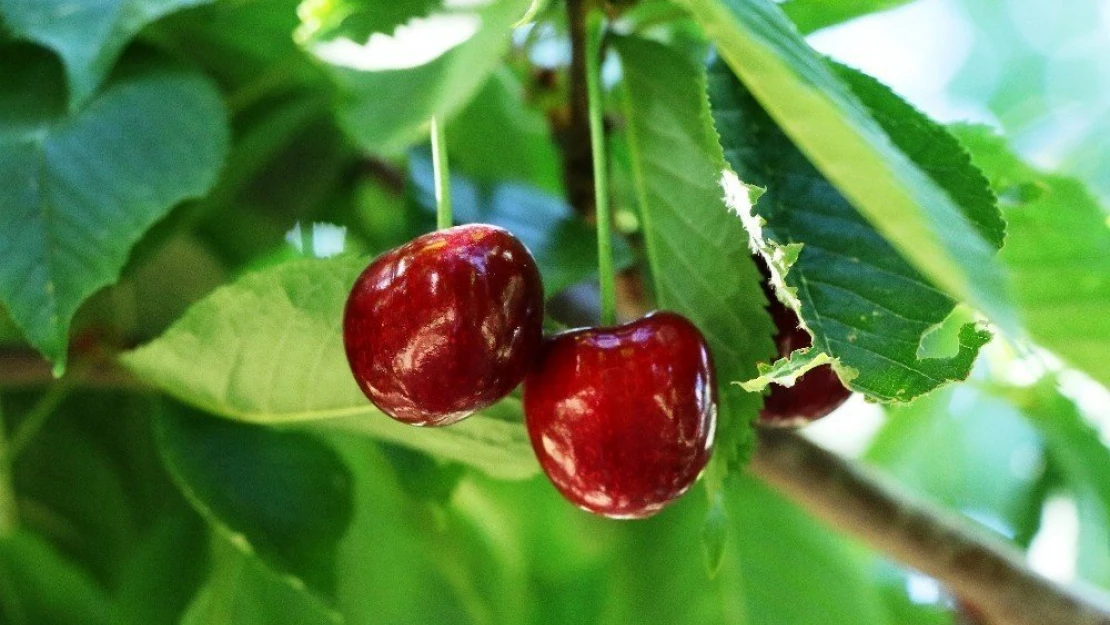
[{"x": 169, "y": 148}]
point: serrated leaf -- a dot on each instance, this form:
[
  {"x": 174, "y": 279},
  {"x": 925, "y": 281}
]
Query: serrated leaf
[
  {"x": 933, "y": 149},
  {"x": 837, "y": 133},
  {"x": 88, "y": 36},
  {"x": 811, "y": 15},
  {"x": 77, "y": 191},
  {"x": 786, "y": 371},
  {"x": 865, "y": 306},
  {"x": 392, "y": 84},
  {"x": 1057, "y": 252},
  {"x": 322, "y": 19},
  {"x": 697, "y": 251},
  {"x": 284, "y": 496},
  {"x": 269, "y": 349}
]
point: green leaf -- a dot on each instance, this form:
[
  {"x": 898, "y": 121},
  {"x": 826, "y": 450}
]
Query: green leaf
[
  {"x": 78, "y": 191},
  {"x": 40, "y": 585},
  {"x": 933, "y": 149},
  {"x": 1057, "y": 252},
  {"x": 164, "y": 570},
  {"x": 284, "y": 496},
  {"x": 389, "y": 92},
  {"x": 408, "y": 559},
  {"x": 323, "y": 19},
  {"x": 88, "y": 36},
  {"x": 786, "y": 371},
  {"x": 1001, "y": 484},
  {"x": 523, "y": 151},
  {"x": 796, "y": 558},
  {"x": 241, "y": 591},
  {"x": 836, "y": 132},
  {"x": 1083, "y": 461},
  {"x": 696, "y": 250},
  {"x": 811, "y": 15},
  {"x": 780, "y": 567},
  {"x": 865, "y": 306},
  {"x": 269, "y": 349}
]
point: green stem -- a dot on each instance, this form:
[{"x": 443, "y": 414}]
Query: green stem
[
  {"x": 442, "y": 174},
  {"x": 40, "y": 413},
  {"x": 595, "y": 27},
  {"x": 9, "y": 514}
]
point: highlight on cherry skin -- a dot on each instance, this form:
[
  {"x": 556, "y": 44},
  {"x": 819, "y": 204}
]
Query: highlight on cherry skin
[
  {"x": 622, "y": 418},
  {"x": 816, "y": 393},
  {"x": 444, "y": 325}
]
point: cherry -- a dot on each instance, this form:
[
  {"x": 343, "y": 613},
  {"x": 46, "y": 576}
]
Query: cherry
[
  {"x": 622, "y": 418},
  {"x": 816, "y": 393},
  {"x": 444, "y": 325}
]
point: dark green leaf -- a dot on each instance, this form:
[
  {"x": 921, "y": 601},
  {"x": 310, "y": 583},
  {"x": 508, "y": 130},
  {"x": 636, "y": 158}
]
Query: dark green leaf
[
  {"x": 392, "y": 85},
  {"x": 836, "y": 132},
  {"x": 269, "y": 349},
  {"x": 242, "y": 591},
  {"x": 77, "y": 192},
  {"x": 39, "y": 585},
  {"x": 88, "y": 36},
  {"x": 863, "y": 303},
  {"x": 697, "y": 250},
  {"x": 1057, "y": 252},
  {"x": 281, "y": 495},
  {"x": 163, "y": 571}
]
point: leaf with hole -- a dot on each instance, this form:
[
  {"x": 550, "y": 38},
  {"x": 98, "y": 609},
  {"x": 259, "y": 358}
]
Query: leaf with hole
[
  {"x": 836, "y": 132},
  {"x": 864, "y": 304}
]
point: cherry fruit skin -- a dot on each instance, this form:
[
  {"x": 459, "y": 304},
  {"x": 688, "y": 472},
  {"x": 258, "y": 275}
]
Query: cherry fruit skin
[
  {"x": 815, "y": 394},
  {"x": 622, "y": 418},
  {"x": 446, "y": 324}
]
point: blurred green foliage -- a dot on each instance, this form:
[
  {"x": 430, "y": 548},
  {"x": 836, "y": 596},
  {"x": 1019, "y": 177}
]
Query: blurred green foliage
[{"x": 174, "y": 174}]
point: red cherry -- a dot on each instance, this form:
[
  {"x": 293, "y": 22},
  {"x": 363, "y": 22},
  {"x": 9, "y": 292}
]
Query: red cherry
[
  {"x": 622, "y": 418},
  {"x": 816, "y": 393},
  {"x": 445, "y": 325}
]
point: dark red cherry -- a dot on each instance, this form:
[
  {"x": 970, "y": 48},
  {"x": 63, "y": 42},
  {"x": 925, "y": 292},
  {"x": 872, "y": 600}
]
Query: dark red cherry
[
  {"x": 445, "y": 325},
  {"x": 816, "y": 393},
  {"x": 622, "y": 418}
]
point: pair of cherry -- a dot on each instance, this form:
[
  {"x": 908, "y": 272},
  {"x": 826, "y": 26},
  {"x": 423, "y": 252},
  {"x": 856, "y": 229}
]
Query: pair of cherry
[{"x": 621, "y": 418}]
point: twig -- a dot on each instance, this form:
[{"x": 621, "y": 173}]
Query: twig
[
  {"x": 974, "y": 566},
  {"x": 25, "y": 368}
]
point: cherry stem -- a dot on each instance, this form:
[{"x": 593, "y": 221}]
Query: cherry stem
[
  {"x": 595, "y": 28},
  {"x": 442, "y": 173}
]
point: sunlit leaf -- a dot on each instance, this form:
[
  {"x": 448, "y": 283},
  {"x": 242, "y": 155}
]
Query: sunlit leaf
[{"x": 268, "y": 349}]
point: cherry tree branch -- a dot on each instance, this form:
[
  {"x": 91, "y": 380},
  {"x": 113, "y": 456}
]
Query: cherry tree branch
[{"x": 984, "y": 571}]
